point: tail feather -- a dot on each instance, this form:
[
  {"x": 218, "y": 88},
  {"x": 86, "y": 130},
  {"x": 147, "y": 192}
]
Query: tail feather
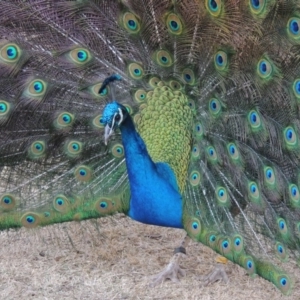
[{"x": 235, "y": 63}]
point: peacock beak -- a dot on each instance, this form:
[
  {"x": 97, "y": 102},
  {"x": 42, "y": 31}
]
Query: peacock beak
[{"x": 107, "y": 133}]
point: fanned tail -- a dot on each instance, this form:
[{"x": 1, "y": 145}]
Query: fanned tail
[{"x": 233, "y": 65}]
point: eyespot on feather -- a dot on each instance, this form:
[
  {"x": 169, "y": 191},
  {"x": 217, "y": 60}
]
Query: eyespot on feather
[
  {"x": 105, "y": 206},
  {"x": 269, "y": 176},
  {"x": 254, "y": 120},
  {"x": 174, "y": 24},
  {"x": 196, "y": 152},
  {"x": 131, "y": 23},
  {"x": 211, "y": 154},
  {"x": 293, "y": 28},
  {"x": 294, "y": 195},
  {"x": 238, "y": 243},
  {"x": 83, "y": 173},
  {"x": 117, "y": 150},
  {"x": 175, "y": 85},
  {"x": 221, "y": 61},
  {"x": 233, "y": 152},
  {"x": 153, "y": 81},
  {"x": 257, "y": 7},
  {"x": 195, "y": 178},
  {"x": 225, "y": 247},
  {"x": 36, "y": 89},
  {"x": 8, "y": 201},
  {"x": 253, "y": 192},
  {"x": 193, "y": 228},
  {"x": 5, "y": 110},
  {"x": 296, "y": 88},
  {"x": 37, "y": 149},
  {"x": 281, "y": 251},
  {"x": 64, "y": 120},
  {"x": 214, "y": 107},
  {"x": 188, "y": 76},
  {"x": 163, "y": 58},
  {"x": 214, "y": 7},
  {"x": 284, "y": 283},
  {"x": 30, "y": 220},
  {"x": 140, "y": 96},
  {"x": 191, "y": 104},
  {"x": 10, "y": 53},
  {"x": 61, "y": 203},
  {"x": 211, "y": 239},
  {"x": 222, "y": 196},
  {"x": 80, "y": 56},
  {"x": 98, "y": 122},
  {"x": 282, "y": 227},
  {"x": 247, "y": 263},
  {"x": 198, "y": 131},
  {"x": 265, "y": 69},
  {"x": 290, "y": 138},
  {"x": 73, "y": 148},
  {"x": 136, "y": 71}
]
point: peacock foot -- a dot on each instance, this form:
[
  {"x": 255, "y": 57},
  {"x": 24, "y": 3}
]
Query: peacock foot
[
  {"x": 218, "y": 274},
  {"x": 172, "y": 271}
]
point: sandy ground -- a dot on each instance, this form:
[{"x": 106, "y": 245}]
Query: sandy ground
[{"x": 114, "y": 258}]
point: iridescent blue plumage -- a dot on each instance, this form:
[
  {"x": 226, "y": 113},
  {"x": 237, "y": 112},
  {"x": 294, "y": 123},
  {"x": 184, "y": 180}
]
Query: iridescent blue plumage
[{"x": 155, "y": 197}]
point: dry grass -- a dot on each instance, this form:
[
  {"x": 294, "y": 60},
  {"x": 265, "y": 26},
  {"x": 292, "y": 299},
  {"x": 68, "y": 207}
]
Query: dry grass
[{"x": 114, "y": 259}]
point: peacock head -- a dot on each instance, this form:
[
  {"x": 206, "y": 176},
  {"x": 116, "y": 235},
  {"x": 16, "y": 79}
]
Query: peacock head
[{"x": 113, "y": 115}]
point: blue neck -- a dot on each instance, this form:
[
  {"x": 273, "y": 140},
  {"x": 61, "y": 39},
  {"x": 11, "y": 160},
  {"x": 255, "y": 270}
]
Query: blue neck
[{"x": 154, "y": 193}]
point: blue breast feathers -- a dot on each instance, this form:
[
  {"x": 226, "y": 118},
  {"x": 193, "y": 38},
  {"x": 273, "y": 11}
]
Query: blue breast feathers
[{"x": 155, "y": 197}]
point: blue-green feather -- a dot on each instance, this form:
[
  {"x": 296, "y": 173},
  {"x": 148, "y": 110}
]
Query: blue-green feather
[
  {"x": 155, "y": 197},
  {"x": 207, "y": 133}
]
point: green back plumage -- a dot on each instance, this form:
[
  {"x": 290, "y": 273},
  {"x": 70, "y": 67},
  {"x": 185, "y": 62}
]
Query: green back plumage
[
  {"x": 165, "y": 124},
  {"x": 214, "y": 90}
]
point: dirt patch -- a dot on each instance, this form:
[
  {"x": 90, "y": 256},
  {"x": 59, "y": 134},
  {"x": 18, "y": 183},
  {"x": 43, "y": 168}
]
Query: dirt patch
[{"x": 114, "y": 258}]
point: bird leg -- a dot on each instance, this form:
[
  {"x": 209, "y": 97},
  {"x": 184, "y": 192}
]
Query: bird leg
[
  {"x": 172, "y": 271},
  {"x": 218, "y": 274}
]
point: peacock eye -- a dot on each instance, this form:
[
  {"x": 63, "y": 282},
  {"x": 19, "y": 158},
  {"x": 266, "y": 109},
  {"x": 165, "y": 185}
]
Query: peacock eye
[{"x": 117, "y": 117}]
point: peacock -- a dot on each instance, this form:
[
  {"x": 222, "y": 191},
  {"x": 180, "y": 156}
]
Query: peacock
[{"x": 177, "y": 113}]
